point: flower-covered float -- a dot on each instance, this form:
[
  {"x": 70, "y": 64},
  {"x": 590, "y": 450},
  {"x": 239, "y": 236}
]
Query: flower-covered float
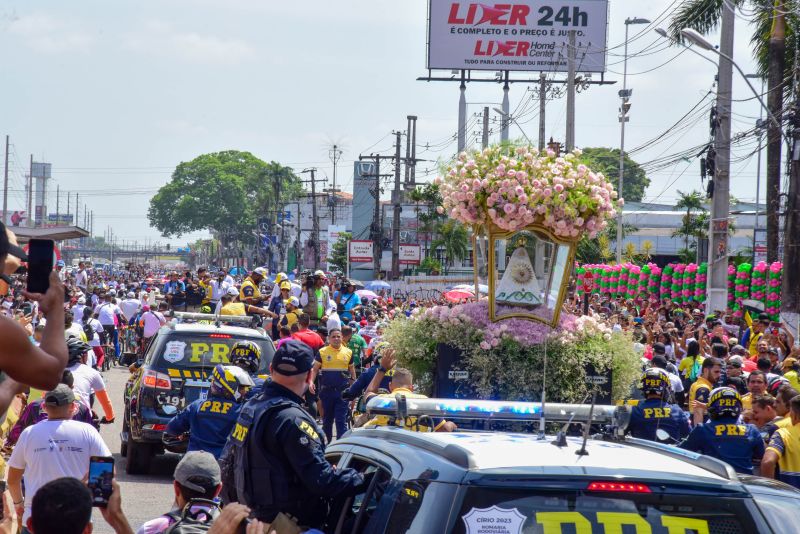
[{"x": 527, "y": 210}]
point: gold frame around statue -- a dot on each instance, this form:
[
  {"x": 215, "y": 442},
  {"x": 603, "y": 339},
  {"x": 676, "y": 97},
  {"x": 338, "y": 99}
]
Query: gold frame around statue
[{"x": 496, "y": 234}]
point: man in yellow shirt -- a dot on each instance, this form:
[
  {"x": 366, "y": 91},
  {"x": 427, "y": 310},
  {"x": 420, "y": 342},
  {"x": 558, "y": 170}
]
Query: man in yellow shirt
[
  {"x": 790, "y": 368},
  {"x": 231, "y": 307},
  {"x": 757, "y": 385},
  {"x": 784, "y": 450},
  {"x": 701, "y": 389},
  {"x": 249, "y": 293},
  {"x": 402, "y": 382},
  {"x": 335, "y": 367}
]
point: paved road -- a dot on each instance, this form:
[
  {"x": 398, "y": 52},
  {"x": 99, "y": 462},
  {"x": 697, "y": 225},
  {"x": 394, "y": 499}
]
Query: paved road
[{"x": 143, "y": 496}]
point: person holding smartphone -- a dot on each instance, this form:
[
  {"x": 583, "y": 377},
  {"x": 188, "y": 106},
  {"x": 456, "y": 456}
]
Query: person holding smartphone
[{"x": 39, "y": 367}]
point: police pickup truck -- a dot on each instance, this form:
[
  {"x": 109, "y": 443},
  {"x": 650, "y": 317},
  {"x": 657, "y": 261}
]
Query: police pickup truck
[
  {"x": 173, "y": 373},
  {"x": 512, "y": 483}
]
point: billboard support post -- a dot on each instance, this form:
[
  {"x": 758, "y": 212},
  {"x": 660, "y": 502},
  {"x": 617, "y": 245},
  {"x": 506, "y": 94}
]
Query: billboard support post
[
  {"x": 506, "y": 110},
  {"x": 462, "y": 114},
  {"x": 542, "y": 106},
  {"x": 570, "y": 141}
]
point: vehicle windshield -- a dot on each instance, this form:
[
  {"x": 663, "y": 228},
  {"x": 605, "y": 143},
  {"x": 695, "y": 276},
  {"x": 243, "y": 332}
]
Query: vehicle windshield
[
  {"x": 537, "y": 512},
  {"x": 191, "y": 350}
]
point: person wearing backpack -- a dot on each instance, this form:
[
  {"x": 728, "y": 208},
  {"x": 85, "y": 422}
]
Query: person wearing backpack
[
  {"x": 196, "y": 483},
  {"x": 274, "y": 460}
]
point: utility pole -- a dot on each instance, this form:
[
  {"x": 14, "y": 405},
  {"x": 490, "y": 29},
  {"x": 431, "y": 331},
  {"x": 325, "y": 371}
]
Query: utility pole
[
  {"x": 315, "y": 220},
  {"x": 58, "y": 200},
  {"x": 790, "y": 290},
  {"x": 542, "y": 107},
  {"x": 68, "y": 210},
  {"x": 412, "y": 182},
  {"x": 5, "y": 184},
  {"x": 485, "y": 136},
  {"x": 376, "y": 228},
  {"x": 335, "y": 154},
  {"x": 717, "y": 286},
  {"x": 776, "y": 59},
  {"x": 570, "y": 141},
  {"x": 397, "y": 198},
  {"x": 30, "y": 194}
]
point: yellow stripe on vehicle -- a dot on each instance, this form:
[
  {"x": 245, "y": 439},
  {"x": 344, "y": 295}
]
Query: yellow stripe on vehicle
[
  {"x": 174, "y": 373},
  {"x": 187, "y": 373}
]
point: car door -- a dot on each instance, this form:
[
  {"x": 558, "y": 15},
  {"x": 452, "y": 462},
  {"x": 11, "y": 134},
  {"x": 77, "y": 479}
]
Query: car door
[{"x": 351, "y": 515}]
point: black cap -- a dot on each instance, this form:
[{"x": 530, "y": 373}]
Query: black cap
[
  {"x": 659, "y": 360},
  {"x": 293, "y": 358},
  {"x": 659, "y": 348}
]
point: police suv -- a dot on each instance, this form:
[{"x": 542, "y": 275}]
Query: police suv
[
  {"x": 511, "y": 483},
  {"x": 175, "y": 372}
]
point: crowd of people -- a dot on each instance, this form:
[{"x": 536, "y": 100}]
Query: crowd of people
[{"x": 715, "y": 383}]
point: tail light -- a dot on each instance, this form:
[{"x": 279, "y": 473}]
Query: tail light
[
  {"x": 220, "y": 336},
  {"x": 619, "y": 487},
  {"x": 156, "y": 380},
  {"x": 157, "y": 427}
]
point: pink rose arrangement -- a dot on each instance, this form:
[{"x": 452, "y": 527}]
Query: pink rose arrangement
[{"x": 513, "y": 187}]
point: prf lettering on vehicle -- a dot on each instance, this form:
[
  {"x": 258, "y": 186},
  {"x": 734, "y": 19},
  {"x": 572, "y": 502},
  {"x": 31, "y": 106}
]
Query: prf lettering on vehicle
[
  {"x": 614, "y": 522},
  {"x": 219, "y": 352}
]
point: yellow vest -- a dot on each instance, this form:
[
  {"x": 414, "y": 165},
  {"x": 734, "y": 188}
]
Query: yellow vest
[
  {"x": 700, "y": 383},
  {"x": 233, "y": 308},
  {"x": 249, "y": 284},
  {"x": 410, "y": 422}
]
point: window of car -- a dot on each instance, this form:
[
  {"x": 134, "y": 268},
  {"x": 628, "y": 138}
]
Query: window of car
[
  {"x": 201, "y": 350},
  {"x": 357, "y": 510},
  {"x": 418, "y": 506},
  {"x": 782, "y": 511}
]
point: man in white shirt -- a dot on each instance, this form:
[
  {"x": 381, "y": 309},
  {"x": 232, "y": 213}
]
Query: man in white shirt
[
  {"x": 151, "y": 322},
  {"x": 229, "y": 279},
  {"x": 130, "y": 306},
  {"x": 54, "y": 448},
  {"x": 77, "y": 310},
  {"x": 106, "y": 313},
  {"x": 87, "y": 381},
  {"x": 218, "y": 287},
  {"x": 81, "y": 277}
]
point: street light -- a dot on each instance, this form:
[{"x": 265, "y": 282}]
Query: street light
[
  {"x": 663, "y": 33},
  {"x": 694, "y": 36},
  {"x": 760, "y": 126},
  {"x": 509, "y": 118},
  {"x": 625, "y": 106}
]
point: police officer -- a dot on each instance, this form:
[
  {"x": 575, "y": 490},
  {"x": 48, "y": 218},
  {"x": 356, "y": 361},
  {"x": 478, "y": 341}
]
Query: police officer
[
  {"x": 247, "y": 355},
  {"x": 275, "y": 460},
  {"x": 210, "y": 420},
  {"x": 723, "y": 436},
  {"x": 656, "y": 411},
  {"x": 336, "y": 371},
  {"x": 249, "y": 292}
]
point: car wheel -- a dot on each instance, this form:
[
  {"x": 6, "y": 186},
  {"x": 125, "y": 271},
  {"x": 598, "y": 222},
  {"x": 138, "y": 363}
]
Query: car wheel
[
  {"x": 126, "y": 430},
  {"x": 138, "y": 458}
]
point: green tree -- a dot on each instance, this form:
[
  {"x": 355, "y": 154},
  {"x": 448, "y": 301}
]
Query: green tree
[
  {"x": 429, "y": 196},
  {"x": 223, "y": 191},
  {"x": 598, "y": 249},
  {"x": 453, "y": 238},
  {"x": 338, "y": 257},
  {"x": 692, "y": 202},
  {"x": 606, "y": 160}
]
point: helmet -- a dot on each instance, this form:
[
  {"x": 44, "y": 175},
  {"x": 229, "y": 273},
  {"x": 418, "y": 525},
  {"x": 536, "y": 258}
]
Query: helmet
[
  {"x": 76, "y": 349},
  {"x": 655, "y": 380},
  {"x": 247, "y": 355},
  {"x": 377, "y": 352},
  {"x": 724, "y": 401},
  {"x": 205, "y": 308},
  {"x": 227, "y": 379},
  {"x": 775, "y": 383}
]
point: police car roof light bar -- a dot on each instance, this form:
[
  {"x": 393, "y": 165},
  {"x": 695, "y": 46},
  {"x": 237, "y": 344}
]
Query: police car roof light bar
[
  {"x": 496, "y": 410},
  {"x": 191, "y": 316}
]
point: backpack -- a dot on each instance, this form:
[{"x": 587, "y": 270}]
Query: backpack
[
  {"x": 88, "y": 330},
  {"x": 188, "y": 522}
]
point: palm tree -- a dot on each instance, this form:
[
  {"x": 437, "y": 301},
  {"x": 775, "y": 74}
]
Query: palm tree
[
  {"x": 691, "y": 202},
  {"x": 454, "y": 240},
  {"x": 646, "y": 249},
  {"x": 774, "y": 42}
]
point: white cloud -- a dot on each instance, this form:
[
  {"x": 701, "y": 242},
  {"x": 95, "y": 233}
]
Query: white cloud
[
  {"x": 50, "y": 35},
  {"x": 160, "y": 38}
]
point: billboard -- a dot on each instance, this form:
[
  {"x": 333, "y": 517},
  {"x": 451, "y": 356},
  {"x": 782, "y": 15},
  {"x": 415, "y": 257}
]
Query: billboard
[
  {"x": 521, "y": 36},
  {"x": 59, "y": 218},
  {"x": 410, "y": 254},
  {"x": 361, "y": 251}
]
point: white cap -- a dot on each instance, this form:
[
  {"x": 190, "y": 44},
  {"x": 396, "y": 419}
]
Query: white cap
[
  {"x": 131, "y": 294},
  {"x": 260, "y": 271},
  {"x": 232, "y": 291},
  {"x": 82, "y": 300}
]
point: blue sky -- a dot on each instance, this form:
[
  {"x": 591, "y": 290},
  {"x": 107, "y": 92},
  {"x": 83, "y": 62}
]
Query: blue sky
[{"x": 114, "y": 95}]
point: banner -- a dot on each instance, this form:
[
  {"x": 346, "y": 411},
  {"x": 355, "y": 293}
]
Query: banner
[
  {"x": 522, "y": 36},
  {"x": 410, "y": 254},
  {"x": 361, "y": 251}
]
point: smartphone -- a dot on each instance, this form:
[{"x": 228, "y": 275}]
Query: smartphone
[
  {"x": 40, "y": 264},
  {"x": 101, "y": 473}
]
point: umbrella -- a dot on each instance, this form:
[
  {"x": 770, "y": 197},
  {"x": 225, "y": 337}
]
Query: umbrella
[
  {"x": 366, "y": 293},
  {"x": 456, "y": 295},
  {"x": 377, "y": 285},
  {"x": 483, "y": 288}
]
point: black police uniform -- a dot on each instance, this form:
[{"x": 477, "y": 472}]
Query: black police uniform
[
  {"x": 276, "y": 454},
  {"x": 652, "y": 414}
]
